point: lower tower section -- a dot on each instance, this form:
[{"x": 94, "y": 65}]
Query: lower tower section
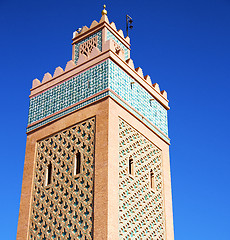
[
  {"x": 141, "y": 207},
  {"x": 62, "y": 197}
]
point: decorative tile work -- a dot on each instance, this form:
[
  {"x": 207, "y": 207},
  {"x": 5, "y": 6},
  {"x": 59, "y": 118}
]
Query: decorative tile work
[
  {"x": 99, "y": 43},
  {"x": 78, "y": 106},
  {"x": 78, "y": 88},
  {"x": 141, "y": 206},
  {"x": 93, "y": 81},
  {"x": 64, "y": 208},
  {"x": 133, "y": 93},
  {"x": 151, "y": 126},
  {"x": 109, "y": 35}
]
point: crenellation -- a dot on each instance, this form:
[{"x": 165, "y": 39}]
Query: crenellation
[
  {"x": 93, "y": 24},
  {"x": 46, "y": 77},
  {"x": 139, "y": 72},
  {"x": 121, "y": 33},
  {"x": 127, "y": 39},
  {"x": 164, "y": 93},
  {"x": 148, "y": 79},
  {"x": 58, "y": 71},
  {"x": 130, "y": 63},
  {"x": 108, "y": 45},
  {"x": 70, "y": 64},
  {"x": 113, "y": 25},
  {"x": 156, "y": 87},
  {"x": 36, "y": 83},
  {"x": 84, "y": 29}
]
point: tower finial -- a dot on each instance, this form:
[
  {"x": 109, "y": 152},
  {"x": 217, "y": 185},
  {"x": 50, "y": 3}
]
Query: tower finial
[{"x": 104, "y": 12}]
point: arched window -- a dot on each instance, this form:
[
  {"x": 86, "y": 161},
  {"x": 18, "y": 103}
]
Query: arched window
[
  {"x": 152, "y": 182},
  {"x": 131, "y": 166},
  {"x": 77, "y": 164}
]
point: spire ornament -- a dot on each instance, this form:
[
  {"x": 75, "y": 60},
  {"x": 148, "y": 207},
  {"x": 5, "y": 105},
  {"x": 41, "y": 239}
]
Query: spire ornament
[{"x": 104, "y": 12}]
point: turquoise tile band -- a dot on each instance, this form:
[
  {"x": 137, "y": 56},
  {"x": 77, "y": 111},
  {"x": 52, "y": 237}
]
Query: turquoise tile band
[
  {"x": 104, "y": 76},
  {"x": 74, "y": 90}
]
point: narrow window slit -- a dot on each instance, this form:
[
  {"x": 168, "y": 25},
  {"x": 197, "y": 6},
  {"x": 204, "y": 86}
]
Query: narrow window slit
[
  {"x": 77, "y": 167},
  {"x": 152, "y": 184},
  {"x": 49, "y": 174},
  {"x": 131, "y": 84},
  {"x": 131, "y": 167}
]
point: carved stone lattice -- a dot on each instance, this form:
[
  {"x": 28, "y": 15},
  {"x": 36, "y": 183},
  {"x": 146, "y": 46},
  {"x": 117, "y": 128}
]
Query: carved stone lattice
[
  {"x": 64, "y": 208},
  {"x": 141, "y": 208},
  {"x": 87, "y": 47},
  {"x": 118, "y": 48}
]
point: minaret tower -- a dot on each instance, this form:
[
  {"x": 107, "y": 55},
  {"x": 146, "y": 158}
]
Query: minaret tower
[{"x": 97, "y": 152}]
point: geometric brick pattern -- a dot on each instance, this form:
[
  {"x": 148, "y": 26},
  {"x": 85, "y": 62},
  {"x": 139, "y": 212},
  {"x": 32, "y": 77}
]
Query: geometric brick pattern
[
  {"x": 77, "y": 45},
  {"x": 64, "y": 208},
  {"x": 109, "y": 35},
  {"x": 141, "y": 205}
]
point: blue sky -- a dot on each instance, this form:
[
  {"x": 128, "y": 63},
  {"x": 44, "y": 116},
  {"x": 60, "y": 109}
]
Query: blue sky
[{"x": 184, "y": 47}]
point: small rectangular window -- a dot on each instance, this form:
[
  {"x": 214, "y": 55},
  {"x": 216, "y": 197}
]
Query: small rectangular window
[
  {"x": 131, "y": 84},
  {"x": 152, "y": 182},
  {"x": 131, "y": 167},
  {"x": 77, "y": 164},
  {"x": 49, "y": 174}
]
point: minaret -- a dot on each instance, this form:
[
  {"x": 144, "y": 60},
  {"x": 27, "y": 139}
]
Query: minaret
[{"x": 97, "y": 152}]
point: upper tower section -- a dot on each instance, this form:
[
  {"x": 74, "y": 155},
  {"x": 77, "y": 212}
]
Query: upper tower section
[
  {"x": 86, "y": 39},
  {"x": 101, "y": 67}
]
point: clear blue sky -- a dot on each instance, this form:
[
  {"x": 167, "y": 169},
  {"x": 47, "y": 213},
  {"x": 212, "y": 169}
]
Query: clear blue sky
[{"x": 183, "y": 45}]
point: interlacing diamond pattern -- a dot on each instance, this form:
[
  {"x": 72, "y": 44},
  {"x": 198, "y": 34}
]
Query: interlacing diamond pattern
[
  {"x": 64, "y": 208},
  {"x": 99, "y": 44},
  {"x": 87, "y": 47},
  {"x": 141, "y": 214}
]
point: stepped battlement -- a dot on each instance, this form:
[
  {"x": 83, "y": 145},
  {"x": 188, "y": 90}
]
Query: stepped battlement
[
  {"x": 101, "y": 46},
  {"x": 92, "y": 42}
]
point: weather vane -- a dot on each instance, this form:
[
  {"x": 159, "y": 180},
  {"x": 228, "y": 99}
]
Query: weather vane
[{"x": 129, "y": 22}]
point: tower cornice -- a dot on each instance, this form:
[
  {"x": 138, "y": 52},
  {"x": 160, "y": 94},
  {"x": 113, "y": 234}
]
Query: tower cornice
[{"x": 92, "y": 61}]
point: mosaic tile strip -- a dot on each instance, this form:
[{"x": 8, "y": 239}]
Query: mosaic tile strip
[
  {"x": 99, "y": 44},
  {"x": 58, "y": 115},
  {"x": 109, "y": 35},
  {"x": 133, "y": 93},
  {"x": 151, "y": 126},
  {"x": 141, "y": 206},
  {"x": 64, "y": 208},
  {"x": 78, "y": 88},
  {"x": 99, "y": 78}
]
